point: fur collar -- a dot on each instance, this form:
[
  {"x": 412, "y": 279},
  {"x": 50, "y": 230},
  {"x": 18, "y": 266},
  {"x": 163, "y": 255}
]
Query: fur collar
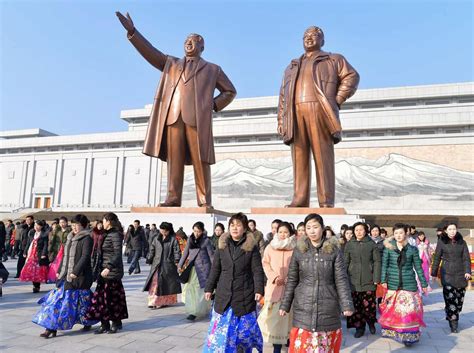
[
  {"x": 457, "y": 238},
  {"x": 247, "y": 246},
  {"x": 328, "y": 247},
  {"x": 391, "y": 244}
]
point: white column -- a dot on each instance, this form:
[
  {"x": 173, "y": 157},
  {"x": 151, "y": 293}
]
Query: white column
[
  {"x": 118, "y": 198},
  {"x": 86, "y": 197},
  {"x": 58, "y": 181}
]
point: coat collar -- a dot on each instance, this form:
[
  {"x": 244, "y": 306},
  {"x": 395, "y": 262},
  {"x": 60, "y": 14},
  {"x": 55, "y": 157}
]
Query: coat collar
[
  {"x": 181, "y": 62},
  {"x": 321, "y": 55},
  {"x": 247, "y": 246},
  {"x": 328, "y": 246}
]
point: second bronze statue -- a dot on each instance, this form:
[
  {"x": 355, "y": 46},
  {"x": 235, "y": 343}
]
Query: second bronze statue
[{"x": 180, "y": 126}]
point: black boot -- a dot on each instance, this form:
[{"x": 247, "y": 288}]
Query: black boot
[
  {"x": 104, "y": 327},
  {"x": 372, "y": 328},
  {"x": 453, "y": 324},
  {"x": 360, "y": 331}
]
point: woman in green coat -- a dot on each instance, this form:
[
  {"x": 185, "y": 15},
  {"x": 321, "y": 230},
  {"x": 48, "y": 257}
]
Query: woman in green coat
[
  {"x": 402, "y": 308},
  {"x": 362, "y": 258}
]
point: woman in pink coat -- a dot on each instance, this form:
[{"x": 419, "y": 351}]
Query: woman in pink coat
[{"x": 276, "y": 261}]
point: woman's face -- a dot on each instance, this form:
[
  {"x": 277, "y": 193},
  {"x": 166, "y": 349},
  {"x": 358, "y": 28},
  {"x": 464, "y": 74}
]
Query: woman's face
[
  {"x": 375, "y": 232},
  {"x": 348, "y": 234},
  {"x": 106, "y": 224},
  {"x": 100, "y": 226},
  {"x": 236, "y": 229},
  {"x": 76, "y": 227},
  {"x": 399, "y": 235},
  {"x": 421, "y": 236},
  {"x": 164, "y": 232},
  {"x": 359, "y": 232},
  {"x": 38, "y": 228},
  {"x": 300, "y": 231},
  {"x": 314, "y": 231},
  {"x": 283, "y": 233},
  {"x": 197, "y": 232},
  {"x": 328, "y": 234},
  {"x": 451, "y": 231},
  {"x": 218, "y": 231}
]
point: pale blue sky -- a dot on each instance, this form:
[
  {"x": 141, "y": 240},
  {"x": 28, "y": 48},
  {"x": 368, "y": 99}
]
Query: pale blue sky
[{"x": 67, "y": 67}]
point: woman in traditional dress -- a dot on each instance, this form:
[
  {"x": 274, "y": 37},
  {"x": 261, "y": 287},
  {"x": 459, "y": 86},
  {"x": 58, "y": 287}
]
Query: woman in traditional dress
[
  {"x": 455, "y": 272},
  {"x": 67, "y": 305},
  {"x": 318, "y": 289},
  {"x": 424, "y": 250},
  {"x": 182, "y": 239},
  {"x": 363, "y": 263},
  {"x": 163, "y": 283},
  {"x": 198, "y": 255},
  {"x": 57, "y": 241},
  {"x": 237, "y": 279},
  {"x": 96, "y": 256},
  {"x": 108, "y": 301},
  {"x": 402, "y": 308},
  {"x": 36, "y": 266},
  {"x": 276, "y": 262}
]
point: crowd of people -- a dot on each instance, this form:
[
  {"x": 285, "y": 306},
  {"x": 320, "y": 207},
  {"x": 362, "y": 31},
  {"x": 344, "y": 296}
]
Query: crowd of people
[{"x": 290, "y": 287}]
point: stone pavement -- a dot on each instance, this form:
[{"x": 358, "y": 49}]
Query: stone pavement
[{"x": 166, "y": 330}]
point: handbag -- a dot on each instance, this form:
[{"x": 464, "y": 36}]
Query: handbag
[{"x": 184, "y": 276}]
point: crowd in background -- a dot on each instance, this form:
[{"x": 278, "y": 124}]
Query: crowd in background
[{"x": 290, "y": 286}]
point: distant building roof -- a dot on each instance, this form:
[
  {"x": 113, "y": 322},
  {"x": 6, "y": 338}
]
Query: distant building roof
[{"x": 25, "y": 133}]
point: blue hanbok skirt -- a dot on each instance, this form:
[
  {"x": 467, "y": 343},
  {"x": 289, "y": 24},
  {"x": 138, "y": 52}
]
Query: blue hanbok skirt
[
  {"x": 227, "y": 332},
  {"x": 62, "y": 309}
]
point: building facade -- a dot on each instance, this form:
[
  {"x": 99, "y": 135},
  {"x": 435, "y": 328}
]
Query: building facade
[{"x": 405, "y": 150}]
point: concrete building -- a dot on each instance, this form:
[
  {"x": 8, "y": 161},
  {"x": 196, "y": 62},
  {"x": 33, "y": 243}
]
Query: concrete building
[{"x": 405, "y": 150}]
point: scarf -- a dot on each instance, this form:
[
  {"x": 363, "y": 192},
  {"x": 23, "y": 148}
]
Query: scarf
[{"x": 285, "y": 244}]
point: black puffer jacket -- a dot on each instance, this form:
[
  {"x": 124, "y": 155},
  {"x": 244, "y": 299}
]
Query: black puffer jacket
[
  {"x": 236, "y": 275},
  {"x": 112, "y": 253},
  {"x": 317, "y": 286},
  {"x": 456, "y": 261}
]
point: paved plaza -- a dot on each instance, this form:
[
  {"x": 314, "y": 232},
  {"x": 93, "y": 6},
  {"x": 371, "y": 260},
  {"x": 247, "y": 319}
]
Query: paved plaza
[{"x": 166, "y": 330}]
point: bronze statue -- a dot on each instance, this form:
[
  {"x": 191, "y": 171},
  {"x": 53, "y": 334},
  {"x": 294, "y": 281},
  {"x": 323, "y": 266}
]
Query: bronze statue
[
  {"x": 180, "y": 126},
  {"x": 314, "y": 87}
]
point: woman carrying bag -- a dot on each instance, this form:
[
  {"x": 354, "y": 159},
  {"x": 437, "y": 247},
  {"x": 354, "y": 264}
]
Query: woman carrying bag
[{"x": 199, "y": 253}]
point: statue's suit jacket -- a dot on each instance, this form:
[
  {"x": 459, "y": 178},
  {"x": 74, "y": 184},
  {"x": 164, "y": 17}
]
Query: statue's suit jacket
[
  {"x": 207, "y": 77},
  {"x": 333, "y": 77}
]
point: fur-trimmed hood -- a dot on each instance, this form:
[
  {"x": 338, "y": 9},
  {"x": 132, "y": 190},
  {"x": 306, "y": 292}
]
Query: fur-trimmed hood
[
  {"x": 247, "y": 246},
  {"x": 329, "y": 245}
]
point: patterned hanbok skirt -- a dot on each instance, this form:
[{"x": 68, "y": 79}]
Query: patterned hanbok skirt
[
  {"x": 228, "y": 332},
  {"x": 54, "y": 266},
  {"x": 108, "y": 301},
  {"x": 162, "y": 300},
  {"x": 62, "y": 309},
  {"x": 32, "y": 271},
  {"x": 402, "y": 316},
  {"x": 302, "y": 341}
]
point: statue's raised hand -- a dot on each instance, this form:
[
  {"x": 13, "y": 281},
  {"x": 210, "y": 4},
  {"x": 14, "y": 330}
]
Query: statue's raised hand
[{"x": 127, "y": 22}]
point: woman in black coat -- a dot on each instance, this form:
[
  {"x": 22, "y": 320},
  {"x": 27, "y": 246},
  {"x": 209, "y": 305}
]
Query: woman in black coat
[
  {"x": 455, "y": 272},
  {"x": 68, "y": 304},
  {"x": 108, "y": 301},
  {"x": 163, "y": 284},
  {"x": 198, "y": 254},
  {"x": 237, "y": 279},
  {"x": 318, "y": 289}
]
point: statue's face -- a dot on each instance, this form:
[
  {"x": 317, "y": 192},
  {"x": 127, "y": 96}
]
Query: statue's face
[
  {"x": 192, "y": 46},
  {"x": 312, "y": 41}
]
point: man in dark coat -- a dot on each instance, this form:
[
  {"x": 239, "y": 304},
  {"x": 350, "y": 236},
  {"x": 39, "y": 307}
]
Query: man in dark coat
[
  {"x": 136, "y": 242},
  {"x": 180, "y": 125},
  {"x": 27, "y": 232}
]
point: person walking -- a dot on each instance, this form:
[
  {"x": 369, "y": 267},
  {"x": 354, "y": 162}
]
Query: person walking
[
  {"x": 276, "y": 262},
  {"x": 137, "y": 238},
  {"x": 219, "y": 229},
  {"x": 236, "y": 281},
  {"x": 67, "y": 305},
  {"x": 109, "y": 302},
  {"x": 57, "y": 241},
  {"x": 199, "y": 255},
  {"x": 402, "y": 308},
  {"x": 425, "y": 252},
  {"x": 36, "y": 255},
  {"x": 363, "y": 263},
  {"x": 151, "y": 284},
  {"x": 455, "y": 272},
  {"x": 97, "y": 235},
  {"x": 318, "y": 290}
]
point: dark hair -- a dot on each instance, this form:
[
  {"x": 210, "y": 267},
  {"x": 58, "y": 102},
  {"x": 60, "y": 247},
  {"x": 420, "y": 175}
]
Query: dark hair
[
  {"x": 114, "y": 221},
  {"x": 451, "y": 223},
  {"x": 375, "y": 226},
  {"x": 344, "y": 226},
  {"x": 343, "y": 234},
  {"x": 365, "y": 225},
  {"x": 421, "y": 233},
  {"x": 81, "y": 219},
  {"x": 180, "y": 232},
  {"x": 400, "y": 226},
  {"x": 288, "y": 226},
  {"x": 17, "y": 223},
  {"x": 220, "y": 225},
  {"x": 40, "y": 223},
  {"x": 137, "y": 221},
  {"x": 253, "y": 221},
  {"x": 62, "y": 218},
  {"x": 383, "y": 230},
  {"x": 167, "y": 226},
  {"x": 56, "y": 220},
  {"x": 314, "y": 217},
  {"x": 276, "y": 221},
  {"x": 154, "y": 225},
  {"x": 330, "y": 229},
  {"x": 199, "y": 225},
  {"x": 412, "y": 227},
  {"x": 30, "y": 216},
  {"x": 147, "y": 225},
  {"x": 300, "y": 224},
  {"x": 241, "y": 218}
]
